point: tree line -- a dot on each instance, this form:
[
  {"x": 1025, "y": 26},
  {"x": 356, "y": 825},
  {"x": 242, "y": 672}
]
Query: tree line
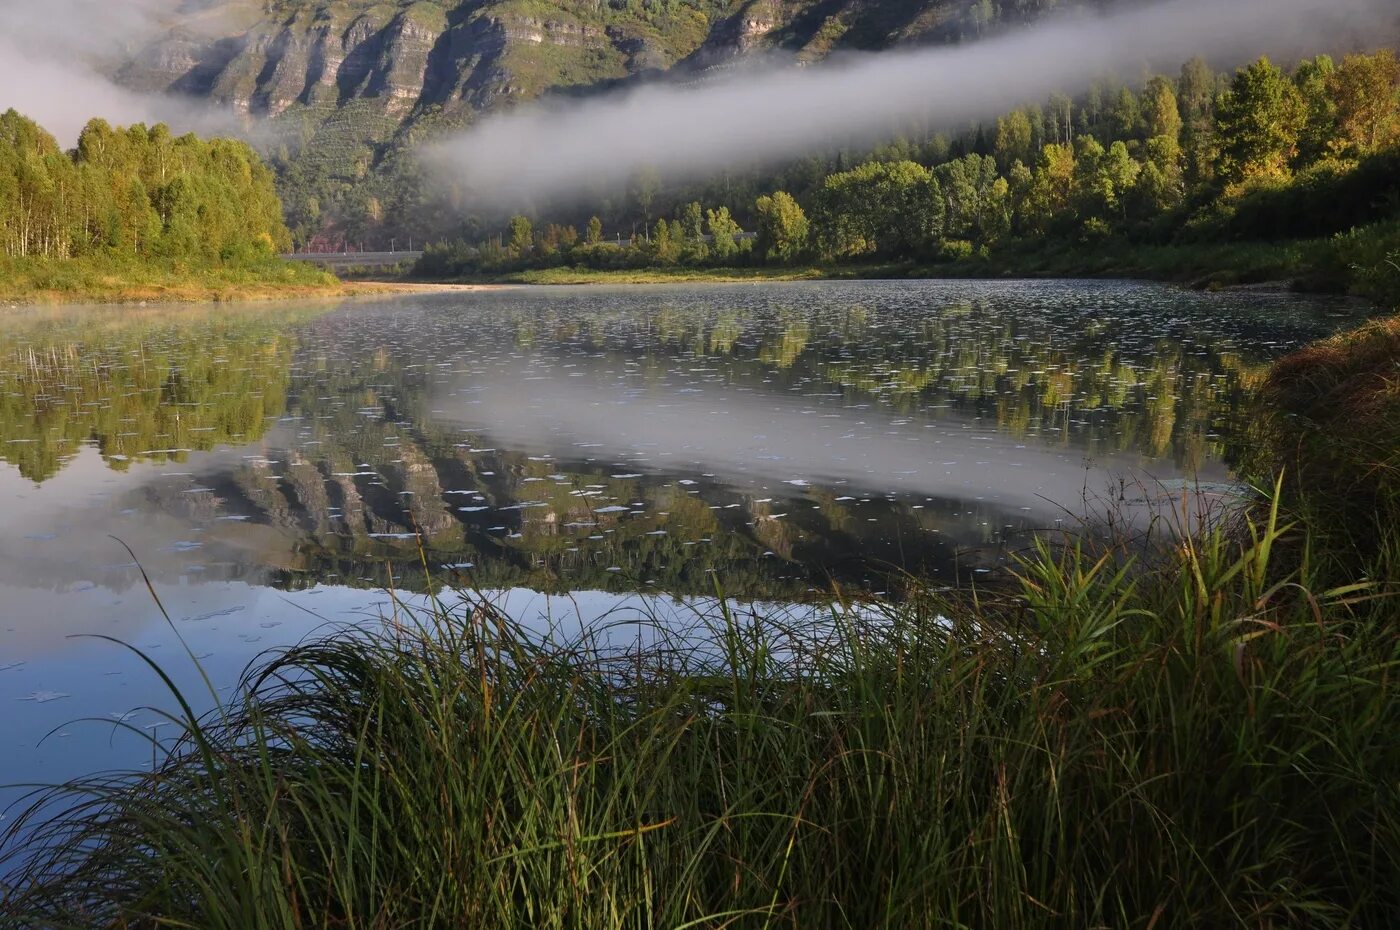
[
  {"x": 1264, "y": 153},
  {"x": 138, "y": 193}
]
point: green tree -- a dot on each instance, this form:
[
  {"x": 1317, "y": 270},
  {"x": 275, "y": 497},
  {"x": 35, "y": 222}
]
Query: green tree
[
  {"x": 1366, "y": 90},
  {"x": 137, "y": 191},
  {"x": 595, "y": 231},
  {"x": 1125, "y": 119},
  {"x": 1196, "y": 98},
  {"x": 692, "y": 219},
  {"x": 1313, "y": 79},
  {"x": 1161, "y": 112},
  {"x": 1155, "y": 191},
  {"x": 1059, "y": 121},
  {"x": 646, "y": 184},
  {"x": 521, "y": 239},
  {"x": 1258, "y": 121},
  {"x": 894, "y": 209},
  {"x": 1052, "y": 191},
  {"x": 1162, "y": 182},
  {"x": 1117, "y": 176},
  {"x": 723, "y": 232},
  {"x": 973, "y": 202},
  {"x": 663, "y": 249},
  {"x": 782, "y": 228},
  {"x": 1014, "y": 139}
]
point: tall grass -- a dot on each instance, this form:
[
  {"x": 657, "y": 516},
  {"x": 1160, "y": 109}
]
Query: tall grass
[
  {"x": 109, "y": 278},
  {"x": 1202, "y": 742},
  {"x": 1330, "y": 421}
]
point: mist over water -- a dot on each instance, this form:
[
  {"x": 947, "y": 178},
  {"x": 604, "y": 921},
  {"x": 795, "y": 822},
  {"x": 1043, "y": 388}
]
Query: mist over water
[
  {"x": 565, "y": 150},
  {"x": 57, "y": 58}
]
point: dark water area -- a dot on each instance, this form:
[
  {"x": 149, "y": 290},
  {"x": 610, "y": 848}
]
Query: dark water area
[{"x": 573, "y": 452}]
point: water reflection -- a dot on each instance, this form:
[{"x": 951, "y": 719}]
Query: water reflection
[
  {"x": 780, "y": 436},
  {"x": 275, "y": 468}
]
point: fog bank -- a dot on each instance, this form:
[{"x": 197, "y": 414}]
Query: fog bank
[{"x": 559, "y": 149}]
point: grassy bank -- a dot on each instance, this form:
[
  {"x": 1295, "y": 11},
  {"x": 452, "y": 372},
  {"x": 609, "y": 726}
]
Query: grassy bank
[
  {"x": 107, "y": 280},
  {"x": 581, "y": 275},
  {"x": 1355, "y": 263},
  {"x": 1364, "y": 262},
  {"x": 1217, "y": 265},
  {"x": 1203, "y": 745},
  {"x": 1340, "y": 265},
  {"x": 1199, "y": 735},
  {"x": 1332, "y": 421}
]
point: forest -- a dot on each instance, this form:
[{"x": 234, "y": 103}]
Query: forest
[
  {"x": 1191, "y": 161},
  {"x": 139, "y": 192},
  {"x": 138, "y": 213}
]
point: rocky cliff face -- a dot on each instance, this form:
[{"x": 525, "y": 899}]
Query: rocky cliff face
[
  {"x": 346, "y": 81},
  {"x": 406, "y": 56}
]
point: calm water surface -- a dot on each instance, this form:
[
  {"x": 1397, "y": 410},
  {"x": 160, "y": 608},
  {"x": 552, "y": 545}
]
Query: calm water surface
[{"x": 276, "y": 468}]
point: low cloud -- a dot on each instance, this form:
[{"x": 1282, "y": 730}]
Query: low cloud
[
  {"x": 57, "y": 58},
  {"x": 561, "y": 150}
]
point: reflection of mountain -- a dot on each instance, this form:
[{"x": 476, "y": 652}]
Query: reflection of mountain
[
  {"x": 357, "y": 509},
  {"x": 777, "y": 438}
]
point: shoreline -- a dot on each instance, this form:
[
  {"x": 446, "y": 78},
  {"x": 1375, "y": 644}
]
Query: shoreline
[
  {"x": 581, "y": 277},
  {"x": 141, "y": 296},
  {"x": 1303, "y": 266},
  {"x": 572, "y": 276}
]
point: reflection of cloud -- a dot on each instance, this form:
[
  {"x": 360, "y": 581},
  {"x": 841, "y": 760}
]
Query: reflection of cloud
[{"x": 749, "y": 437}]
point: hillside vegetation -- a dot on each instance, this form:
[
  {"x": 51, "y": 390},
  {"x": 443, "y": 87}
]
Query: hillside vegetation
[
  {"x": 1260, "y": 175},
  {"x": 138, "y": 213},
  {"x": 352, "y": 85}
]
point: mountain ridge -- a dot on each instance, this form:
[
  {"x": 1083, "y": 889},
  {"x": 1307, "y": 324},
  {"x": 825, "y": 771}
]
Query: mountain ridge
[{"x": 346, "y": 86}]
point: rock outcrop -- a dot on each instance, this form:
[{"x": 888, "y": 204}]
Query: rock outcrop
[{"x": 408, "y": 56}]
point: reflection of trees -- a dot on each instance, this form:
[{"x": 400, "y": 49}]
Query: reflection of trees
[
  {"x": 548, "y": 524},
  {"x": 148, "y": 386},
  {"x": 725, "y": 331},
  {"x": 1093, "y": 382},
  {"x": 359, "y": 473},
  {"x": 787, "y": 348},
  {"x": 372, "y": 491}
]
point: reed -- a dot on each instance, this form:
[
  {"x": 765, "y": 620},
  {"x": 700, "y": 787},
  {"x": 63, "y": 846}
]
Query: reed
[{"x": 1204, "y": 741}]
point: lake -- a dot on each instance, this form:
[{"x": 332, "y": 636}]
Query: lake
[{"x": 571, "y": 452}]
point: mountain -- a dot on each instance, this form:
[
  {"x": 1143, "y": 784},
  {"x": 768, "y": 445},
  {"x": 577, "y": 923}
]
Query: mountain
[
  {"x": 410, "y": 57},
  {"x": 348, "y": 85}
]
